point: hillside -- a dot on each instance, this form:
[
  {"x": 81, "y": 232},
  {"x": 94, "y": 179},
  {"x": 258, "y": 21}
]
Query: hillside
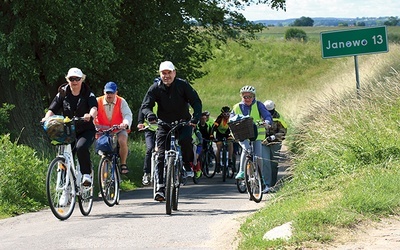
[{"x": 329, "y": 21}]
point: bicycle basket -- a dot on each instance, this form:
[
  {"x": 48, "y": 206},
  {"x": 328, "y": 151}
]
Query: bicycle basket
[
  {"x": 242, "y": 129},
  {"x": 104, "y": 144},
  {"x": 58, "y": 131}
]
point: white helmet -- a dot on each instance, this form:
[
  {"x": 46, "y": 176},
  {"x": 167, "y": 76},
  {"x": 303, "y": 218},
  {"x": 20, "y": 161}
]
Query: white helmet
[
  {"x": 249, "y": 89},
  {"x": 270, "y": 105}
]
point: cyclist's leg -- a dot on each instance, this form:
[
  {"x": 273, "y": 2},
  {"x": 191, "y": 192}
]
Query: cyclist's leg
[
  {"x": 185, "y": 141},
  {"x": 159, "y": 177},
  {"x": 245, "y": 145},
  {"x": 266, "y": 167},
  {"x": 123, "y": 150},
  {"x": 150, "y": 145},
  {"x": 84, "y": 141},
  {"x": 274, "y": 162},
  {"x": 230, "y": 152}
]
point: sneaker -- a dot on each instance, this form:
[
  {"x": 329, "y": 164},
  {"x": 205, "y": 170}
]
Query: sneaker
[
  {"x": 217, "y": 168},
  {"x": 266, "y": 190},
  {"x": 198, "y": 174},
  {"x": 146, "y": 179},
  {"x": 64, "y": 198},
  {"x": 87, "y": 180},
  {"x": 160, "y": 196},
  {"x": 240, "y": 175},
  {"x": 189, "y": 173}
]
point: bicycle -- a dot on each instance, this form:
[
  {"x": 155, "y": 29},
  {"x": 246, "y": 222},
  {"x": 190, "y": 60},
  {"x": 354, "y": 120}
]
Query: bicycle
[
  {"x": 63, "y": 179},
  {"x": 175, "y": 174},
  {"x": 154, "y": 156},
  {"x": 227, "y": 170},
  {"x": 109, "y": 173},
  {"x": 242, "y": 130},
  {"x": 206, "y": 158}
]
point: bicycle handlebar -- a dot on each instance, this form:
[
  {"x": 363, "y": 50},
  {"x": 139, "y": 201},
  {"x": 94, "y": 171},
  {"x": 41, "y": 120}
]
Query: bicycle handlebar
[{"x": 113, "y": 128}]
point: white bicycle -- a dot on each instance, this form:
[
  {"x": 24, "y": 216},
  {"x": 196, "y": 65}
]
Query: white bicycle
[{"x": 63, "y": 182}]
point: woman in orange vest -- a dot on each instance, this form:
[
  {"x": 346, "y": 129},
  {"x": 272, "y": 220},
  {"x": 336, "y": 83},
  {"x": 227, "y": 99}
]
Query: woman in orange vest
[{"x": 114, "y": 110}]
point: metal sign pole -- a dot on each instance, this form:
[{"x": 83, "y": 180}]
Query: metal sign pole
[{"x": 357, "y": 76}]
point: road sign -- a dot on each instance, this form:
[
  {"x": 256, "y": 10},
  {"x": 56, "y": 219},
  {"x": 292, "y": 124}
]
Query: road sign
[{"x": 354, "y": 42}]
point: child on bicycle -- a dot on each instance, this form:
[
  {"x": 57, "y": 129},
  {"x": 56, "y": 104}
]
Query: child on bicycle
[{"x": 221, "y": 129}]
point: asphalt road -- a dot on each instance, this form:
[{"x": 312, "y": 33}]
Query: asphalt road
[{"x": 208, "y": 217}]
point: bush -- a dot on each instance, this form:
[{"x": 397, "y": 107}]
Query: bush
[
  {"x": 5, "y": 116},
  {"x": 295, "y": 33},
  {"x": 22, "y": 178}
]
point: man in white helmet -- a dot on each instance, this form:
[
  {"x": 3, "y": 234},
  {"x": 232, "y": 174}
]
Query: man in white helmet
[{"x": 272, "y": 145}]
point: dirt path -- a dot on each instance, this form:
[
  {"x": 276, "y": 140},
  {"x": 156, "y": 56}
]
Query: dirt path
[{"x": 384, "y": 234}]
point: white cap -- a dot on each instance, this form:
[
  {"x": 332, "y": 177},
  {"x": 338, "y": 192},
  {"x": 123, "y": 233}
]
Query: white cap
[
  {"x": 167, "y": 65},
  {"x": 74, "y": 72},
  {"x": 270, "y": 105}
]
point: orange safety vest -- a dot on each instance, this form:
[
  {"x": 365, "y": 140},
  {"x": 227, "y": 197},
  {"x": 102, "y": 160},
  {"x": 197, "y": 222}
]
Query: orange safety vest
[{"x": 101, "y": 120}]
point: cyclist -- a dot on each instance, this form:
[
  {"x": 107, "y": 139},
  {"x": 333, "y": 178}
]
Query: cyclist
[
  {"x": 173, "y": 96},
  {"x": 114, "y": 110},
  {"x": 249, "y": 106},
  {"x": 75, "y": 98},
  {"x": 221, "y": 129},
  {"x": 197, "y": 147},
  {"x": 150, "y": 139},
  {"x": 204, "y": 128},
  {"x": 272, "y": 145}
]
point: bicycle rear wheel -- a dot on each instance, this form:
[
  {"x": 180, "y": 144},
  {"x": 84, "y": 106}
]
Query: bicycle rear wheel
[
  {"x": 60, "y": 194},
  {"x": 169, "y": 185},
  {"x": 253, "y": 179},
  {"x": 85, "y": 199},
  {"x": 108, "y": 181}
]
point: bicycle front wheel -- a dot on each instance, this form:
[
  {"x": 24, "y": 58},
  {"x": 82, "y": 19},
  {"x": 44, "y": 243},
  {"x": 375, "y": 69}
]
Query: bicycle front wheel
[
  {"x": 60, "y": 189},
  {"x": 108, "y": 181},
  {"x": 169, "y": 185},
  {"x": 253, "y": 179},
  {"x": 85, "y": 199},
  {"x": 207, "y": 165},
  {"x": 175, "y": 191},
  {"x": 241, "y": 185}
]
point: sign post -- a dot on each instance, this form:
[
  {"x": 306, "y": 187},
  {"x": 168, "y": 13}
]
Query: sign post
[{"x": 354, "y": 42}]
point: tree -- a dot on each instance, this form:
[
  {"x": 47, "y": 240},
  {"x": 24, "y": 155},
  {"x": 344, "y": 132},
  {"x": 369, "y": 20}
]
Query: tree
[
  {"x": 297, "y": 34},
  {"x": 303, "y": 21},
  {"x": 120, "y": 40},
  {"x": 392, "y": 21}
]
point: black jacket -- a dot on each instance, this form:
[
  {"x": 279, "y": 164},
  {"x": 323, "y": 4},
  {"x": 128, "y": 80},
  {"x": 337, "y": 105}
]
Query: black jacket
[
  {"x": 173, "y": 102},
  {"x": 68, "y": 105}
]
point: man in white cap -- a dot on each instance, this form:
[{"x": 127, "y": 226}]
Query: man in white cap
[{"x": 173, "y": 96}]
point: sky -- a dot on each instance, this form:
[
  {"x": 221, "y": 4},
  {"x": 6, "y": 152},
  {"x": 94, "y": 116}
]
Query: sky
[{"x": 325, "y": 8}]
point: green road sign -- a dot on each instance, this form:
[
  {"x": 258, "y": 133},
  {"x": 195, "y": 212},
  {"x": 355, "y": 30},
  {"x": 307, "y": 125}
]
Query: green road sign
[{"x": 354, "y": 42}]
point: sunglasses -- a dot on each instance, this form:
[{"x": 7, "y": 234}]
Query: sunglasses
[
  {"x": 71, "y": 79},
  {"x": 247, "y": 97},
  {"x": 110, "y": 93}
]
